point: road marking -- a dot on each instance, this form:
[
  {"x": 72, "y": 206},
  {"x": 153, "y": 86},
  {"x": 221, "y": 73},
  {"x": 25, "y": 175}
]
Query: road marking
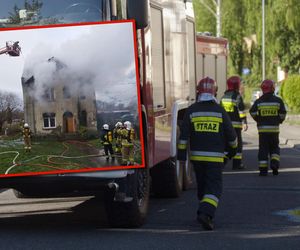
[{"x": 284, "y": 170}]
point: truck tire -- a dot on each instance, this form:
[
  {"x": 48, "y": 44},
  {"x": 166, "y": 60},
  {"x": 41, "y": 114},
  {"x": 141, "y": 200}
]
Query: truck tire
[
  {"x": 167, "y": 179},
  {"x": 130, "y": 214}
]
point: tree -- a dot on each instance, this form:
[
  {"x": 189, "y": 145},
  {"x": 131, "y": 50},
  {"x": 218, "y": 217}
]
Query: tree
[
  {"x": 10, "y": 104},
  {"x": 33, "y": 8},
  {"x": 205, "y": 21},
  {"x": 14, "y": 16},
  {"x": 233, "y": 28}
]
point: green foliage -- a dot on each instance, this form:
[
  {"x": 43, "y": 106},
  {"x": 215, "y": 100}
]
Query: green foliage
[
  {"x": 242, "y": 20},
  {"x": 14, "y": 15},
  {"x": 205, "y": 21},
  {"x": 291, "y": 92}
]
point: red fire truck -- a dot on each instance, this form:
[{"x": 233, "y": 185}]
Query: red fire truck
[{"x": 166, "y": 42}]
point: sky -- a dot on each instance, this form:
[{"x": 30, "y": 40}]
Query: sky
[{"x": 103, "y": 51}]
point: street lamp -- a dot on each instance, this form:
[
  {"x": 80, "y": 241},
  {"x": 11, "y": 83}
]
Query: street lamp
[{"x": 263, "y": 40}]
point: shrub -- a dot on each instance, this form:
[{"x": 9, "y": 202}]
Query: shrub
[{"x": 291, "y": 92}]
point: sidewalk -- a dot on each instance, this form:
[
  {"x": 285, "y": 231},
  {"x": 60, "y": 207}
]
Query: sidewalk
[{"x": 289, "y": 134}]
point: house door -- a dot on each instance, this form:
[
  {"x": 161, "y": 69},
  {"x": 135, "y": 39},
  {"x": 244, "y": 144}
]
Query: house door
[
  {"x": 70, "y": 125},
  {"x": 69, "y": 122}
]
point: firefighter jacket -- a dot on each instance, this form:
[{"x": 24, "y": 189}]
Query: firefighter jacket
[
  {"x": 128, "y": 136},
  {"x": 233, "y": 103},
  {"x": 106, "y": 137},
  {"x": 26, "y": 133},
  {"x": 208, "y": 129},
  {"x": 268, "y": 111}
]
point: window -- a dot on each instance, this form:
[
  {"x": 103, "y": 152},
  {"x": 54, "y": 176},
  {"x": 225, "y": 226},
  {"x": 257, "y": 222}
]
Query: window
[
  {"x": 158, "y": 73},
  {"x": 49, "y": 94},
  {"x": 49, "y": 120}
]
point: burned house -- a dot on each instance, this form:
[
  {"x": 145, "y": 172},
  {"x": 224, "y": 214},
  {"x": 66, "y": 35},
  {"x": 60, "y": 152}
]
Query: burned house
[{"x": 63, "y": 104}]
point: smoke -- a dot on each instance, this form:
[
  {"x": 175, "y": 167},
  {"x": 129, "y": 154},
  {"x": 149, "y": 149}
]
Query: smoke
[{"x": 99, "y": 56}]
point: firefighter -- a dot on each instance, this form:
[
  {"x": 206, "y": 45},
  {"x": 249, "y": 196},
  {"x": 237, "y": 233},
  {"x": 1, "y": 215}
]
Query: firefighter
[
  {"x": 208, "y": 129},
  {"x": 233, "y": 104},
  {"x": 106, "y": 140},
  {"x": 118, "y": 137},
  {"x": 27, "y": 137},
  {"x": 128, "y": 137},
  {"x": 269, "y": 112}
]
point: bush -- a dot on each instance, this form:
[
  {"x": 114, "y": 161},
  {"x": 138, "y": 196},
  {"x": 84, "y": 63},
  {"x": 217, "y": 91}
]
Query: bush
[{"x": 291, "y": 92}]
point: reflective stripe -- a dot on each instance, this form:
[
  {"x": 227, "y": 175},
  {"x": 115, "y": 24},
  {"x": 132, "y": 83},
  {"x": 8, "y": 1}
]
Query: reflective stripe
[
  {"x": 207, "y": 118},
  {"x": 275, "y": 157},
  {"x": 271, "y": 104},
  {"x": 237, "y": 124},
  {"x": 253, "y": 113},
  {"x": 207, "y": 158},
  {"x": 205, "y": 153},
  {"x": 182, "y": 141},
  {"x": 263, "y": 164},
  {"x": 211, "y": 199},
  {"x": 213, "y": 114},
  {"x": 233, "y": 144},
  {"x": 238, "y": 156},
  {"x": 229, "y": 100},
  {"x": 268, "y": 129},
  {"x": 242, "y": 114},
  {"x": 181, "y": 146}
]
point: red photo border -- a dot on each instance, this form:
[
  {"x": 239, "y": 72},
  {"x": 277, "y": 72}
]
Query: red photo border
[{"x": 109, "y": 168}]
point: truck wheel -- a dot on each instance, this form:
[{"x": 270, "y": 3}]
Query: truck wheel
[
  {"x": 130, "y": 214},
  {"x": 167, "y": 179}
]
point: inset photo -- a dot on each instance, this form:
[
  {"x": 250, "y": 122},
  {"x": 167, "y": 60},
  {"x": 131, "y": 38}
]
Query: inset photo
[{"x": 69, "y": 99}]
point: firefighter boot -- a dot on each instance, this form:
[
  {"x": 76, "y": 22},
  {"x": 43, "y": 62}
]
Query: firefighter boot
[
  {"x": 275, "y": 170},
  {"x": 206, "y": 221},
  {"x": 263, "y": 172},
  {"x": 274, "y": 166}
]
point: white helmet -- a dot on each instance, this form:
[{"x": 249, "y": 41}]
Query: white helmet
[
  {"x": 105, "y": 126},
  {"x": 26, "y": 125},
  {"x": 127, "y": 125},
  {"x": 118, "y": 124}
]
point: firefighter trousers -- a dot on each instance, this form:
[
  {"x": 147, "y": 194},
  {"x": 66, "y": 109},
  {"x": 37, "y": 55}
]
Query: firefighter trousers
[
  {"x": 127, "y": 154},
  {"x": 237, "y": 159},
  {"x": 209, "y": 186},
  {"x": 268, "y": 147},
  {"x": 108, "y": 148},
  {"x": 27, "y": 142}
]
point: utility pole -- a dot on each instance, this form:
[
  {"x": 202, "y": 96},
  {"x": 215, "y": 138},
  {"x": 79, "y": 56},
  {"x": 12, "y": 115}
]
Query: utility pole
[
  {"x": 263, "y": 40},
  {"x": 216, "y": 13}
]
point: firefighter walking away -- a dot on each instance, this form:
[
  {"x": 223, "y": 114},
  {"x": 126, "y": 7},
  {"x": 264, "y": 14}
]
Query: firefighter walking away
[
  {"x": 207, "y": 128},
  {"x": 106, "y": 140},
  {"x": 269, "y": 112},
  {"x": 27, "y": 137},
  {"x": 233, "y": 104}
]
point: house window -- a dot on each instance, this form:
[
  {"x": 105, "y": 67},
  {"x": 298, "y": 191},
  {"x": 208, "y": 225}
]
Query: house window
[
  {"x": 49, "y": 120},
  {"x": 49, "y": 94},
  {"x": 66, "y": 92}
]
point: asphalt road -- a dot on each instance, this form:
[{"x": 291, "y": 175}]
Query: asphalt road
[{"x": 254, "y": 213}]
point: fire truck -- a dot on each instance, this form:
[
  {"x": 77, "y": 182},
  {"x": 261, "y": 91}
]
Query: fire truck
[
  {"x": 167, "y": 46},
  {"x": 11, "y": 48}
]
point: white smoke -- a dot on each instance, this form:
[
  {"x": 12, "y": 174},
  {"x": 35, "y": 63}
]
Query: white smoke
[{"x": 102, "y": 55}]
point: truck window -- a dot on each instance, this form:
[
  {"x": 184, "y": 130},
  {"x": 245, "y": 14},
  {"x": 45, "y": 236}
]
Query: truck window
[
  {"x": 157, "y": 59},
  {"x": 43, "y": 12}
]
